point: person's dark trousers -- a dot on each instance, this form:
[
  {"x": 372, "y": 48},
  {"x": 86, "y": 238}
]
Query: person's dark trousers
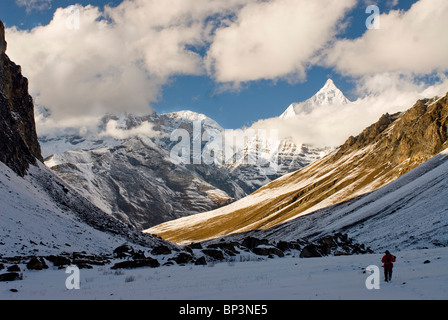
[{"x": 387, "y": 275}]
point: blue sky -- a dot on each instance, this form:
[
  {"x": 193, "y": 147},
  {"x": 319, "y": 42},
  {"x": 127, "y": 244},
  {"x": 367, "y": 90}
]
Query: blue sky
[{"x": 233, "y": 108}]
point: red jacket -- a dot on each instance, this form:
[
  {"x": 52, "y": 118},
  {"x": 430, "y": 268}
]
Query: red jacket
[{"x": 387, "y": 260}]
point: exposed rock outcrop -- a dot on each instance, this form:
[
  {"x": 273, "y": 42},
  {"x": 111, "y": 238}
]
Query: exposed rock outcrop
[{"x": 19, "y": 146}]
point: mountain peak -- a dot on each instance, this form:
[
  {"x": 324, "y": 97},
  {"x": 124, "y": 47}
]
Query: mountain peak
[
  {"x": 329, "y": 95},
  {"x": 329, "y": 85}
]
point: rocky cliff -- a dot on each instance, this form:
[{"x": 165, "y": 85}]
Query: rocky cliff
[{"x": 19, "y": 146}]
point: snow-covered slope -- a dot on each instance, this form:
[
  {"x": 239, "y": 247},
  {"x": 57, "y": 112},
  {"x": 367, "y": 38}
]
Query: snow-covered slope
[
  {"x": 287, "y": 280},
  {"x": 42, "y": 215},
  {"x": 409, "y": 213}
]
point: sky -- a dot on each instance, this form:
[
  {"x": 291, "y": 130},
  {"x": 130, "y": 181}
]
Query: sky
[{"x": 236, "y": 61}]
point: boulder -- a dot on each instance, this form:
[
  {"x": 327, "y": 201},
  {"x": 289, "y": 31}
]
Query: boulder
[
  {"x": 13, "y": 268},
  {"x": 83, "y": 265},
  {"x": 283, "y": 245},
  {"x": 36, "y": 263},
  {"x": 328, "y": 241},
  {"x": 310, "y": 251},
  {"x": 161, "y": 250},
  {"x": 251, "y": 242},
  {"x": 195, "y": 245},
  {"x": 200, "y": 261},
  {"x": 182, "y": 258},
  {"x": 11, "y": 276},
  {"x": 59, "y": 261},
  {"x": 214, "y": 254},
  {"x": 227, "y": 246},
  {"x": 123, "y": 251},
  {"x": 268, "y": 251},
  {"x": 140, "y": 263}
]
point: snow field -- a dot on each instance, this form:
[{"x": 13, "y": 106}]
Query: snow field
[{"x": 289, "y": 278}]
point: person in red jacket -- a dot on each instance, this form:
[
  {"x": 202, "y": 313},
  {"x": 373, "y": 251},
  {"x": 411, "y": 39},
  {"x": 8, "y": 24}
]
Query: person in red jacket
[{"x": 388, "y": 265}]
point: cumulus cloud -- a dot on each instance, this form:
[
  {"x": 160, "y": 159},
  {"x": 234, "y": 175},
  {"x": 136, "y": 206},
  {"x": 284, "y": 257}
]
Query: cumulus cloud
[
  {"x": 412, "y": 41},
  {"x": 114, "y": 130},
  {"x": 88, "y": 62},
  {"x": 274, "y": 39},
  {"x": 391, "y": 68},
  {"x": 34, "y": 4}
]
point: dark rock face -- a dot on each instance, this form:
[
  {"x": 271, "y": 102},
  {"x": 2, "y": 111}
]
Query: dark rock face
[
  {"x": 182, "y": 258},
  {"x": 214, "y": 254},
  {"x": 139, "y": 263},
  {"x": 310, "y": 251},
  {"x": 11, "y": 276},
  {"x": 251, "y": 242},
  {"x": 161, "y": 250},
  {"x": 36, "y": 264},
  {"x": 416, "y": 136},
  {"x": 19, "y": 146},
  {"x": 268, "y": 251}
]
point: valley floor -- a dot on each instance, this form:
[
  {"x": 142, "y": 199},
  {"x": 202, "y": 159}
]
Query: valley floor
[{"x": 288, "y": 278}]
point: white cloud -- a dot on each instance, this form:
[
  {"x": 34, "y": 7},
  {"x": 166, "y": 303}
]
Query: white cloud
[
  {"x": 115, "y": 131},
  {"x": 34, "y": 4},
  {"x": 275, "y": 39},
  {"x": 119, "y": 58},
  {"x": 88, "y": 62},
  {"x": 413, "y": 41}
]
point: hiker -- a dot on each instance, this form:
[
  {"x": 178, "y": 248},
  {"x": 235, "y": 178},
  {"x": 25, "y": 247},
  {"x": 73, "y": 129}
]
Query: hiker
[{"x": 388, "y": 265}]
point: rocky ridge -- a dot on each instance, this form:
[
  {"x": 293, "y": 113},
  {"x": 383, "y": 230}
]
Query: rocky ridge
[
  {"x": 19, "y": 146},
  {"x": 134, "y": 180}
]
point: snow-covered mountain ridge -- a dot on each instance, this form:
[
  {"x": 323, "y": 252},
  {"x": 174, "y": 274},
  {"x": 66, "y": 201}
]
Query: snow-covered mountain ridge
[
  {"x": 388, "y": 149},
  {"x": 126, "y": 168}
]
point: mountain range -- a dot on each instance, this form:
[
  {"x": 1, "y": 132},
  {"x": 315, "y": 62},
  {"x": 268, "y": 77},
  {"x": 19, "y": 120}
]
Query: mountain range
[
  {"x": 132, "y": 176},
  {"x": 385, "y": 187},
  {"x": 383, "y": 152}
]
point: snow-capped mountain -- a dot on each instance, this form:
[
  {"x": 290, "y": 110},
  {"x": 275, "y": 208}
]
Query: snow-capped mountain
[
  {"x": 126, "y": 166},
  {"x": 388, "y": 149},
  {"x": 135, "y": 179},
  {"x": 328, "y": 96},
  {"x": 286, "y": 155}
]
